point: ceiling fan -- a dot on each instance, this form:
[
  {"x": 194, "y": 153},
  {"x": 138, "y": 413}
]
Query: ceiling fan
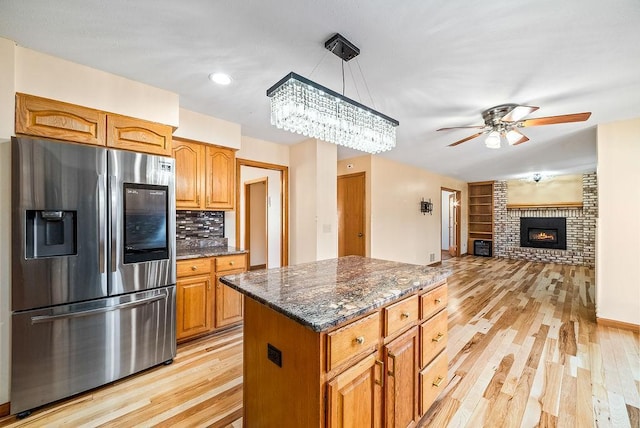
[{"x": 505, "y": 119}]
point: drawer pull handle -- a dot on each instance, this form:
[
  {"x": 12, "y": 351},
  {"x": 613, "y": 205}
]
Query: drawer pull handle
[
  {"x": 438, "y": 300},
  {"x": 381, "y": 381},
  {"x": 438, "y": 382},
  {"x": 194, "y": 267},
  {"x": 405, "y": 315},
  {"x": 438, "y": 338},
  {"x": 359, "y": 340}
]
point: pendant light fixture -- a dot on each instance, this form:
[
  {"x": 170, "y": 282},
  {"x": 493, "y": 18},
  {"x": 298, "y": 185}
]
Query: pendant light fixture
[{"x": 305, "y": 107}]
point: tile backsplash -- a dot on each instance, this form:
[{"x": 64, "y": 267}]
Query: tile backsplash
[{"x": 192, "y": 225}]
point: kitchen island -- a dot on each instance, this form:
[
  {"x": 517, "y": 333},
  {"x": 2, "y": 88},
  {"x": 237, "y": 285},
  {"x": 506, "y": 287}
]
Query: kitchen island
[{"x": 351, "y": 341}]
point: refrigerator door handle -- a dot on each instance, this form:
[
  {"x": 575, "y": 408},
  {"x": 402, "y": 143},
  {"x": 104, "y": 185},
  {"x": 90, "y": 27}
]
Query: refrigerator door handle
[
  {"x": 101, "y": 222},
  {"x": 114, "y": 221},
  {"x": 50, "y": 318}
]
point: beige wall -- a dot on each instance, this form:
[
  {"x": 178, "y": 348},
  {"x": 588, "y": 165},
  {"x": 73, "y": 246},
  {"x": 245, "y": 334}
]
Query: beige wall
[
  {"x": 51, "y": 77},
  {"x": 399, "y": 231},
  {"x": 396, "y": 229},
  {"x": 562, "y": 189},
  {"x": 313, "y": 225},
  {"x": 7, "y": 107},
  {"x": 618, "y": 230},
  {"x": 263, "y": 151},
  {"x": 207, "y": 129}
]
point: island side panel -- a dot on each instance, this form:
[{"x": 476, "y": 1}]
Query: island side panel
[{"x": 287, "y": 396}]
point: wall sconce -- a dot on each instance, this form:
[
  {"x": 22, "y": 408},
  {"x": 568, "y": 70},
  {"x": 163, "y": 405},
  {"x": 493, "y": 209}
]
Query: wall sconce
[{"x": 426, "y": 206}]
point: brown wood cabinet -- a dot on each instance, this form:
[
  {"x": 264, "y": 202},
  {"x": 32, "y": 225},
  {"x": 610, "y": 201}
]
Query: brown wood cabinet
[
  {"x": 384, "y": 369},
  {"x": 202, "y": 308},
  {"x": 205, "y": 176},
  {"x": 480, "y": 212},
  {"x": 44, "y": 117}
]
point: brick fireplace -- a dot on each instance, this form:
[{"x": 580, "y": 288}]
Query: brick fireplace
[{"x": 580, "y": 228}]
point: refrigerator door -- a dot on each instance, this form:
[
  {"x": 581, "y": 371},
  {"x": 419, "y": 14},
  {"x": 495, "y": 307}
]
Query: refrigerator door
[
  {"x": 59, "y": 244},
  {"x": 61, "y": 351},
  {"x": 142, "y": 221}
]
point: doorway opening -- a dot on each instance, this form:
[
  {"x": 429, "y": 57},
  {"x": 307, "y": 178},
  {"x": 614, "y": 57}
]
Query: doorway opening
[
  {"x": 450, "y": 216},
  {"x": 256, "y": 222},
  {"x": 275, "y": 233}
]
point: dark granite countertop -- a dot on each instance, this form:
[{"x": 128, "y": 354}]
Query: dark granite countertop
[
  {"x": 194, "y": 253},
  {"x": 324, "y": 294}
]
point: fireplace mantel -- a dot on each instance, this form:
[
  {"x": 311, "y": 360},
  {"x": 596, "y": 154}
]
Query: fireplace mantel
[{"x": 576, "y": 205}]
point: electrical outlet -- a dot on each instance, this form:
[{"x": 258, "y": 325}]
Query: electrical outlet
[{"x": 432, "y": 257}]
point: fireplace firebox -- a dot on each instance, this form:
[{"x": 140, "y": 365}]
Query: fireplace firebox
[{"x": 543, "y": 232}]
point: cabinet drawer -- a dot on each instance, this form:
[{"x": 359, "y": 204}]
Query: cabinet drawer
[
  {"x": 352, "y": 339},
  {"x": 433, "y": 301},
  {"x": 400, "y": 314},
  {"x": 433, "y": 379},
  {"x": 231, "y": 263},
  {"x": 433, "y": 337},
  {"x": 193, "y": 267}
]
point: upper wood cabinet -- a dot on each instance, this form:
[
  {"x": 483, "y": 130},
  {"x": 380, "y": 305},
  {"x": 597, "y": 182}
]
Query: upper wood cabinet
[
  {"x": 43, "y": 117},
  {"x": 138, "y": 135},
  {"x": 63, "y": 121},
  {"x": 189, "y": 173},
  {"x": 205, "y": 176}
]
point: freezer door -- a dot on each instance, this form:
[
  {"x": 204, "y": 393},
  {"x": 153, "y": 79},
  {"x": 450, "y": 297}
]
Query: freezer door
[
  {"x": 61, "y": 351},
  {"x": 59, "y": 243},
  {"x": 142, "y": 223}
]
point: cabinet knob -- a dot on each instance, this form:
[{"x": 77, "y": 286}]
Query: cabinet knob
[
  {"x": 438, "y": 338},
  {"x": 231, "y": 263},
  {"x": 438, "y": 381},
  {"x": 438, "y": 300},
  {"x": 359, "y": 340},
  {"x": 194, "y": 267},
  {"x": 405, "y": 315}
]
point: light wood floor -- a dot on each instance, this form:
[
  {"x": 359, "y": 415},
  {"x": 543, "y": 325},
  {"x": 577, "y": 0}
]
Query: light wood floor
[{"x": 524, "y": 351}]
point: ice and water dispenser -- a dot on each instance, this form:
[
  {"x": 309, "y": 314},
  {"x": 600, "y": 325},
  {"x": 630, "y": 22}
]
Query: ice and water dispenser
[{"x": 50, "y": 233}]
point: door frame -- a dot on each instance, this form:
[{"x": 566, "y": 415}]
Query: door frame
[
  {"x": 247, "y": 217},
  {"x": 284, "y": 191},
  {"x": 458, "y": 194}
]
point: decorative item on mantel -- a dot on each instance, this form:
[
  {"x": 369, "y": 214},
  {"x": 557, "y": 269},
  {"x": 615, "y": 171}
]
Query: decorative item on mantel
[
  {"x": 426, "y": 206},
  {"x": 303, "y": 106}
]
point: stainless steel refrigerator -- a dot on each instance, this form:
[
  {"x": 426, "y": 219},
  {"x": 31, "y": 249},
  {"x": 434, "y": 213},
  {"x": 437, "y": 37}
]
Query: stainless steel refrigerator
[{"x": 93, "y": 268}]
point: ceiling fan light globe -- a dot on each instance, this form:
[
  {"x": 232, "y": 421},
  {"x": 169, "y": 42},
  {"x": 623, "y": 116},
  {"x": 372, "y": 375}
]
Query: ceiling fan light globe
[
  {"x": 513, "y": 137},
  {"x": 493, "y": 140}
]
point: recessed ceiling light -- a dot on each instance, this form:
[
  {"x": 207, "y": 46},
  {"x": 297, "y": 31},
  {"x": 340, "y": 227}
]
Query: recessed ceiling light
[{"x": 220, "y": 78}]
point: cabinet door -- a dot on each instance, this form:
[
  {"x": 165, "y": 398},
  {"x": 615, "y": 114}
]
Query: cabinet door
[
  {"x": 54, "y": 119},
  {"x": 220, "y": 178},
  {"x": 194, "y": 306},
  {"x": 229, "y": 305},
  {"x": 138, "y": 135},
  {"x": 401, "y": 393},
  {"x": 354, "y": 397},
  {"x": 189, "y": 173}
]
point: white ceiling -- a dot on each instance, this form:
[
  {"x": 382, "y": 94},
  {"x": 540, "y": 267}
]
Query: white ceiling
[{"x": 427, "y": 63}]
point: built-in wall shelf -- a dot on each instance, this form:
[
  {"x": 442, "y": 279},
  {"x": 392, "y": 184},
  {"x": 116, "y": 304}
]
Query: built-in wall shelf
[{"x": 480, "y": 212}]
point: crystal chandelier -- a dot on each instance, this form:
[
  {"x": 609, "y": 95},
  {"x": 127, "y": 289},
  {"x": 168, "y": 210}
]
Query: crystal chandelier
[{"x": 305, "y": 107}]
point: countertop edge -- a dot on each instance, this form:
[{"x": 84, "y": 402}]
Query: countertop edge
[{"x": 323, "y": 327}]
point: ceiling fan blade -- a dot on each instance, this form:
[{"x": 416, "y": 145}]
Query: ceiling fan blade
[
  {"x": 466, "y": 139},
  {"x": 524, "y": 139},
  {"x": 462, "y": 127},
  {"x": 551, "y": 120},
  {"x": 518, "y": 113}
]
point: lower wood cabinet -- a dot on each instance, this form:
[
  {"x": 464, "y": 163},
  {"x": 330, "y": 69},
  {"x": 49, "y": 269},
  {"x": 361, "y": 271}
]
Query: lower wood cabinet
[
  {"x": 203, "y": 303},
  {"x": 354, "y": 397},
  {"x": 401, "y": 389}
]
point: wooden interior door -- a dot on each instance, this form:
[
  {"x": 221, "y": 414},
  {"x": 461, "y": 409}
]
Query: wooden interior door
[
  {"x": 401, "y": 393},
  {"x": 453, "y": 243},
  {"x": 351, "y": 214},
  {"x": 354, "y": 397}
]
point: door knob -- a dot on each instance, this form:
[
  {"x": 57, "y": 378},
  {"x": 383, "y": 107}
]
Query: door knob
[{"x": 360, "y": 235}]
